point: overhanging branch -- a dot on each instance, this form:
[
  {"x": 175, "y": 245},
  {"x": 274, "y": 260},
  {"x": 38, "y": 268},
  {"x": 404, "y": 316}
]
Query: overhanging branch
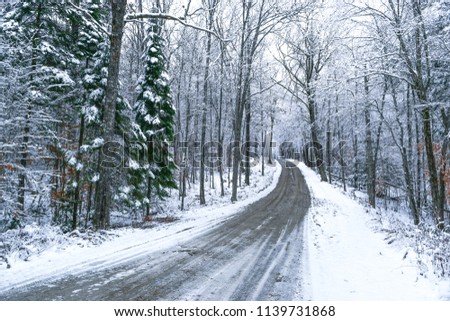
[{"x": 166, "y": 16}]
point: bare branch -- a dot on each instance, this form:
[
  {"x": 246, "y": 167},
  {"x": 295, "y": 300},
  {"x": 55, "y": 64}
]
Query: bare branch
[
  {"x": 383, "y": 73},
  {"x": 166, "y": 16},
  {"x": 292, "y": 92},
  {"x": 264, "y": 89}
]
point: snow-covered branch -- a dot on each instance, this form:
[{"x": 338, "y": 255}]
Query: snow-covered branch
[
  {"x": 382, "y": 73},
  {"x": 88, "y": 15},
  {"x": 263, "y": 90},
  {"x": 135, "y": 18}
]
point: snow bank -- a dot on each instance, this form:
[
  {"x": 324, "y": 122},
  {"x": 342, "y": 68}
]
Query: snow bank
[
  {"x": 349, "y": 260},
  {"x": 77, "y": 253}
]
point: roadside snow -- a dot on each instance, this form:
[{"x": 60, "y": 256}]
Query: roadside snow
[
  {"x": 348, "y": 260},
  {"x": 77, "y": 254}
]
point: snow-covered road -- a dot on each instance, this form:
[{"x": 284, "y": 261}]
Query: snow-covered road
[{"x": 254, "y": 255}]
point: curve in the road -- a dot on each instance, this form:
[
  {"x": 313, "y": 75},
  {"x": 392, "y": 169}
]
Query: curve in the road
[{"x": 256, "y": 255}]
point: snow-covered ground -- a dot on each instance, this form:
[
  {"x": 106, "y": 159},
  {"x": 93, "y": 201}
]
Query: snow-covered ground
[
  {"x": 49, "y": 255},
  {"x": 349, "y": 256}
]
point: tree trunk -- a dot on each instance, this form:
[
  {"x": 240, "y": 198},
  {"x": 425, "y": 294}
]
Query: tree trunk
[
  {"x": 418, "y": 164},
  {"x": 431, "y": 162},
  {"x": 443, "y": 167},
  {"x": 23, "y": 163},
  {"x": 76, "y": 198},
  {"x": 211, "y": 141},
  {"x": 236, "y": 159},
  {"x": 247, "y": 139},
  {"x": 263, "y": 143},
  {"x": 370, "y": 162},
  {"x": 341, "y": 145},
  {"x": 272, "y": 121},
  {"x": 203, "y": 130},
  {"x": 103, "y": 189},
  {"x": 239, "y": 106},
  {"x": 263, "y": 147},
  {"x": 186, "y": 154},
  {"x": 318, "y": 152},
  {"x": 178, "y": 154},
  {"x": 328, "y": 143},
  {"x": 409, "y": 187},
  {"x": 89, "y": 205},
  {"x": 329, "y": 153},
  {"x": 149, "y": 196},
  {"x": 219, "y": 130},
  {"x": 211, "y": 9}
]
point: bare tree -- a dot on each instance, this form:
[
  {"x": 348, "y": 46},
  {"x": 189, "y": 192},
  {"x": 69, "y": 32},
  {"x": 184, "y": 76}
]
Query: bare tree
[
  {"x": 259, "y": 19},
  {"x": 304, "y": 53},
  {"x": 406, "y": 23},
  {"x": 211, "y": 6}
]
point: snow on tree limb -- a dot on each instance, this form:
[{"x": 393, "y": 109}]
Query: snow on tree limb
[
  {"x": 166, "y": 16},
  {"x": 135, "y": 17},
  {"x": 89, "y": 16}
]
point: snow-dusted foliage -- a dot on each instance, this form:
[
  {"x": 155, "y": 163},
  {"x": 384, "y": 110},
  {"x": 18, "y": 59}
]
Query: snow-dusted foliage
[
  {"x": 40, "y": 89},
  {"x": 26, "y": 243},
  {"x": 54, "y": 107},
  {"x": 151, "y": 170},
  {"x": 427, "y": 245}
]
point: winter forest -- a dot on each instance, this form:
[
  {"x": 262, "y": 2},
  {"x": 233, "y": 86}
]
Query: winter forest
[{"x": 112, "y": 109}]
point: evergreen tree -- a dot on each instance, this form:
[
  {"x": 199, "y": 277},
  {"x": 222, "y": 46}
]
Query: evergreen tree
[
  {"x": 57, "y": 57},
  {"x": 154, "y": 127},
  {"x": 90, "y": 47},
  {"x": 93, "y": 48},
  {"x": 38, "y": 100}
]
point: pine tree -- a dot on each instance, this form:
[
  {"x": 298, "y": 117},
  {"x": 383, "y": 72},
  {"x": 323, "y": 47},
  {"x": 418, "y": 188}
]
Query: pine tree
[
  {"x": 154, "y": 127},
  {"x": 93, "y": 49},
  {"x": 38, "y": 99},
  {"x": 58, "y": 58},
  {"x": 90, "y": 47}
]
